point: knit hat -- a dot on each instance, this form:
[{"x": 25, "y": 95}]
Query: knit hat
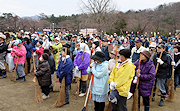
[
  {"x": 45, "y": 56},
  {"x": 125, "y": 52},
  {"x": 146, "y": 53}
]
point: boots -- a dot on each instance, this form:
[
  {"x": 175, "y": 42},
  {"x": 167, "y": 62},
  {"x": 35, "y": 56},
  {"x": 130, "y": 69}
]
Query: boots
[
  {"x": 161, "y": 103},
  {"x": 23, "y": 79},
  {"x": 3, "y": 74},
  {"x": 146, "y": 108}
]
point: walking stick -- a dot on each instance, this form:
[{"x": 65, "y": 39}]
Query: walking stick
[
  {"x": 136, "y": 93},
  {"x": 171, "y": 96},
  {"x": 78, "y": 79},
  {"x": 61, "y": 97},
  {"x": 13, "y": 77},
  {"x": 156, "y": 73}
]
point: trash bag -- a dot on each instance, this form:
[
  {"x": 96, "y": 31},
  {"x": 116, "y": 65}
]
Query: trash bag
[{"x": 9, "y": 61}]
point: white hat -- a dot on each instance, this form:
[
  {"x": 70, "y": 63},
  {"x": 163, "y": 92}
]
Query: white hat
[
  {"x": 57, "y": 38},
  {"x": 153, "y": 44},
  {"x": 33, "y": 35},
  {"x": 96, "y": 40},
  {"x": 2, "y": 36}
]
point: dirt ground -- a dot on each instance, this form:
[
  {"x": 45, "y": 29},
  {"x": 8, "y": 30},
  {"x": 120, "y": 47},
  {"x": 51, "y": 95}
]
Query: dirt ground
[{"x": 16, "y": 96}]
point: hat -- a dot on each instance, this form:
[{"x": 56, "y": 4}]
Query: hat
[
  {"x": 57, "y": 38},
  {"x": 114, "y": 52},
  {"x": 41, "y": 42},
  {"x": 33, "y": 35},
  {"x": 63, "y": 38},
  {"x": 67, "y": 45},
  {"x": 146, "y": 53},
  {"x": 125, "y": 52},
  {"x": 18, "y": 41},
  {"x": 152, "y": 44},
  {"x": 2, "y": 36},
  {"x": 45, "y": 56},
  {"x": 161, "y": 46},
  {"x": 105, "y": 40},
  {"x": 100, "y": 56},
  {"x": 138, "y": 40}
]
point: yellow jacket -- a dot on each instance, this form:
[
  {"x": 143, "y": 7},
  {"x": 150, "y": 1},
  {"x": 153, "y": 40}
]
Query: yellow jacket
[{"x": 123, "y": 77}]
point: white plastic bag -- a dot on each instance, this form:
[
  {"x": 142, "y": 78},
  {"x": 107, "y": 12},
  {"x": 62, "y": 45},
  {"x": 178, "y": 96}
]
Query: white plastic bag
[{"x": 9, "y": 60}]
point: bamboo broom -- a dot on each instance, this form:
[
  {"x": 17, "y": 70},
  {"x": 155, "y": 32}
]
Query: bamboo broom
[
  {"x": 171, "y": 96},
  {"x": 57, "y": 83},
  {"x": 13, "y": 77},
  {"x": 136, "y": 93},
  {"x": 157, "y": 66},
  {"x": 38, "y": 92},
  {"x": 78, "y": 79},
  {"x": 61, "y": 97},
  {"x": 109, "y": 107}
]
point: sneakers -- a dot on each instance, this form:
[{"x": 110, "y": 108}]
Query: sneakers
[
  {"x": 23, "y": 79},
  {"x": 161, "y": 103},
  {"x": 45, "y": 97},
  {"x": 18, "y": 78},
  {"x": 82, "y": 94},
  {"x": 3, "y": 75}
]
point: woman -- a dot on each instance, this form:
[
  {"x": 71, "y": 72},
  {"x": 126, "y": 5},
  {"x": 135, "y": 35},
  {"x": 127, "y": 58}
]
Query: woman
[
  {"x": 100, "y": 87},
  {"x": 120, "y": 81},
  {"x": 146, "y": 75},
  {"x": 82, "y": 65}
]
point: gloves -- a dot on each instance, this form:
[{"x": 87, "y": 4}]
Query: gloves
[
  {"x": 113, "y": 85},
  {"x": 160, "y": 61},
  {"x": 173, "y": 63},
  {"x": 76, "y": 68},
  {"x": 34, "y": 49},
  {"x": 93, "y": 64},
  {"x": 50, "y": 44}
]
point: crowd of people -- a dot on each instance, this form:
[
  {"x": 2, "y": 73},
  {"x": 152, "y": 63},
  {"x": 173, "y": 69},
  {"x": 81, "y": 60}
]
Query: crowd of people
[{"x": 115, "y": 62}]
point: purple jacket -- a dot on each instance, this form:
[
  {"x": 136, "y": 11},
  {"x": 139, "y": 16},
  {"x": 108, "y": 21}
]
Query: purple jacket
[
  {"x": 85, "y": 63},
  {"x": 147, "y": 78}
]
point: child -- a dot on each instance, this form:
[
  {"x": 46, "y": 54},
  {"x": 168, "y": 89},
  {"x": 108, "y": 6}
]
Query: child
[
  {"x": 65, "y": 69},
  {"x": 19, "y": 51},
  {"x": 43, "y": 75}
]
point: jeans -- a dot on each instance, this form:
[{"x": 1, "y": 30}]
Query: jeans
[
  {"x": 20, "y": 71},
  {"x": 67, "y": 88},
  {"x": 176, "y": 79}
]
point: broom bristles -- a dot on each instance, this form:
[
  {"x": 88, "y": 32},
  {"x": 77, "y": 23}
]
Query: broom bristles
[
  {"x": 171, "y": 96},
  {"x": 61, "y": 97},
  {"x": 13, "y": 78},
  {"x": 38, "y": 92},
  {"x": 109, "y": 107},
  {"x": 135, "y": 101},
  {"x": 56, "y": 87}
]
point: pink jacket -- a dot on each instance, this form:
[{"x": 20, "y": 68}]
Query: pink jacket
[
  {"x": 21, "y": 53},
  {"x": 40, "y": 52}
]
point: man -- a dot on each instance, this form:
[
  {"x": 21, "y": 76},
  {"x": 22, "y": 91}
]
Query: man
[
  {"x": 46, "y": 43},
  {"x": 162, "y": 72},
  {"x": 3, "y": 49},
  {"x": 135, "y": 52},
  {"x": 73, "y": 46},
  {"x": 106, "y": 49},
  {"x": 145, "y": 43}
]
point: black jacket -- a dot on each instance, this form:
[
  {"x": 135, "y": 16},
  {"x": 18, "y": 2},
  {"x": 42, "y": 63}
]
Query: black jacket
[
  {"x": 177, "y": 67},
  {"x": 163, "y": 69},
  {"x": 51, "y": 63},
  {"x": 43, "y": 73}
]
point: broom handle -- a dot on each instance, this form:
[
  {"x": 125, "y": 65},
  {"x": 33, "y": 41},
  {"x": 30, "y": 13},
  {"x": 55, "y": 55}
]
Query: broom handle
[
  {"x": 158, "y": 62},
  {"x": 172, "y": 77},
  {"x": 139, "y": 66},
  {"x": 65, "y": 54},
  {"x": 87, "y": 95},
  {"x": 116, "y": 53},
  {"x": 91, "y": 87}
]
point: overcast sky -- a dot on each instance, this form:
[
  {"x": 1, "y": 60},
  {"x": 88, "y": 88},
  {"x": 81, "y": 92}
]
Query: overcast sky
[{"x": 68, "y": 7}]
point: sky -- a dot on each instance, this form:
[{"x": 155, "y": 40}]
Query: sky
[{"x": 68, "y": 7}]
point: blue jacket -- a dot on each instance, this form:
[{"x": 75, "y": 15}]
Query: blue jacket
[
  {"x": 100, "y": 78},
  {"x": 65, "y": 70},
  {"x": 28, "y": 49},
  {"x": 105, "y": 50}
]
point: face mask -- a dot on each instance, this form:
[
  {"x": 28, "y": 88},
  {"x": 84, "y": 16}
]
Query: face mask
[
  {"x": 43, "y": 38},
  {"x": 96, "y": 62},
  {"x": 125, "y": 40},
  {"x": 40, "y": 59},
  {"x": 93, "y": 46}
]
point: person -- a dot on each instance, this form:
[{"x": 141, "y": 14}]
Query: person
[
  {"x": 152, "y": 50},
  {"x": 65, "y": 69},
  {"x": 176, "y": 66},
  {"x": 106, "y": 49},
  {"x": 95, "y": 47},
  {"x": 3, "y": 50},
  {"x": 37, "y": 52},
  {"x": 100, "y": 87},
  {"x": 46, "y": 43},
  {"x": 57, "y": 47},
  {"x": 120, "y": 81},
  {"x": 43, "y": 75},
  {"x": 28, "y": 45},
  {"x": 112, "y": 62},
  {"x": 51, "y": 64},
  {"x": 19, "y": 51},
  {"x": 73, "y": 46},
  {"x": 162, "y": 72},
  {"x": 82, "y": 65},
  {"x": 146, "y": 75},
  {"x": 135, "y": 52},
  {"x": 145, "y": 43}
]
